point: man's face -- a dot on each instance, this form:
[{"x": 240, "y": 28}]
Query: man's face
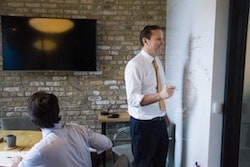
[{"x": 154, "y": 45}]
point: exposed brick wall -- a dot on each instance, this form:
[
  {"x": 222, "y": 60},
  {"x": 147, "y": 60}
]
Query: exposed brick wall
[{"x": 83, "y": 94}]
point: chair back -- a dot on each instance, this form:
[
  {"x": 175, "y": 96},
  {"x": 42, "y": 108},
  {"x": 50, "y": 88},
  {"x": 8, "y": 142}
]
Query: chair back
[
  {"x": 122, "y": 144},
  {"x": 122, "y": 136},
  {"x": 17, "y": 123},
  {"x": 171, "y": 149}
]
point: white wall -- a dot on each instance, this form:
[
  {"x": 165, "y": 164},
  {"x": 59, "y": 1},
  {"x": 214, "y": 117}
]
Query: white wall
[{"x": 196, "y": 42}]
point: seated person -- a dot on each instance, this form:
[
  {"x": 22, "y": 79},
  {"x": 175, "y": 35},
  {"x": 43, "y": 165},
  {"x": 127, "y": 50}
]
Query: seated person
[{"x": 61, "y": 145}]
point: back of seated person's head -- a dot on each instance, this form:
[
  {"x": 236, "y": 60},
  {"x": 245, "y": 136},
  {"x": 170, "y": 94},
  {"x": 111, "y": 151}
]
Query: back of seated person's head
[{"x": 43, "y": 109}]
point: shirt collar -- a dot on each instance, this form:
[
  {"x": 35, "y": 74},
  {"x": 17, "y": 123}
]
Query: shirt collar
[
  {"x": 147, "y": 56},
  {"x": 46, "y": 131}
]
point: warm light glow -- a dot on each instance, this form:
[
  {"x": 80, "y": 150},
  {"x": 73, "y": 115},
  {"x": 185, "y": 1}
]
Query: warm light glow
[
  {"x": 45, "y": 45},
  {"x": 49, "y": 25}
]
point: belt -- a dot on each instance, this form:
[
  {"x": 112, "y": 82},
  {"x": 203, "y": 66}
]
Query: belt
[
  {"x": 158, "y": 119},
  {"x": 150, "y": 120}
]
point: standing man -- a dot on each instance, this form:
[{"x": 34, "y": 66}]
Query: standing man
[{"x": 146, "y": 92}]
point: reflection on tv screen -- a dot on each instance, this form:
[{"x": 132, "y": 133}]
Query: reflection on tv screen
[{"x": 31, "y": 43}]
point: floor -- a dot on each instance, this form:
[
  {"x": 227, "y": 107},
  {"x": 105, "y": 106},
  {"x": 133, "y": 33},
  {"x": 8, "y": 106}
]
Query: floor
[{"x": 244, "y": 160}]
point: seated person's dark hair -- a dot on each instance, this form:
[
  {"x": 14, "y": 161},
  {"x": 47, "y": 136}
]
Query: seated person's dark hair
[{"x": 43, "y": 109}]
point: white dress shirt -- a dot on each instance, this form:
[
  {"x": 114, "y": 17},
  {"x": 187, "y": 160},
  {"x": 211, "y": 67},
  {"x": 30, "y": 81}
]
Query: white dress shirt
[
  {"x": 140, "y": 80},
  {"x": 65, "y": 146}
]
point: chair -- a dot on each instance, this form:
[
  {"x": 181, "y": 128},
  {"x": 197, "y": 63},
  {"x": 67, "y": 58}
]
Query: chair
[
  {"x": 123, "y": 135},
  {"x": 171, "y": 145},
  {"x": 17, "y": 123},
  {"x": 122, "y": 144},
  {"x": 95, "y": 157}
]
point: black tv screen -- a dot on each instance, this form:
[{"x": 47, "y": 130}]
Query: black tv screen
[{"x": 57, "y": 44}]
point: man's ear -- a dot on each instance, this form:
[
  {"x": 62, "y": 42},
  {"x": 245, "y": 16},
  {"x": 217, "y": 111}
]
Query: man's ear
[{"x": 144, "y": 41}]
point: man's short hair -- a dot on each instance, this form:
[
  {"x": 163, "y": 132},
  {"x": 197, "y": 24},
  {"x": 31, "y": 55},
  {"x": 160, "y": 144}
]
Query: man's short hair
[
  {"x": 43, "y": 109},
  {"x": 146, "y": 32}
]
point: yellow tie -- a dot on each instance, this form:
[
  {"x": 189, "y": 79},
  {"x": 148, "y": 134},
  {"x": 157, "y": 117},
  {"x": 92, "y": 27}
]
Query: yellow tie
[
  {"x": 159, "y": 88},
  {"x": 159, "y": 85}
]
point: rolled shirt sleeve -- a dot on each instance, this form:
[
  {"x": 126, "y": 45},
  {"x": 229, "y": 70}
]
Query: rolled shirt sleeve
[{"x": 98, "y": 141}]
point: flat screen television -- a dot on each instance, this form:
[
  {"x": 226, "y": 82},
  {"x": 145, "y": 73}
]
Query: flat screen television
[{"x": 48, "y": 44}]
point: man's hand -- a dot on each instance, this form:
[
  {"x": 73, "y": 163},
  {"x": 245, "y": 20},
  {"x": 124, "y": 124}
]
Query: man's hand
[
  {"x": 167, "y": 92},
  {"x": 16, "y": 160}
]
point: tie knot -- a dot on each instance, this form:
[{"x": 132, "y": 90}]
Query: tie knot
[{"x": 155, "y": 64}]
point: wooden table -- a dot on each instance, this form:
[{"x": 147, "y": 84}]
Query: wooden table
[
  {"x": 25, "y": 139},
  {"x": 123, "y": 117}
]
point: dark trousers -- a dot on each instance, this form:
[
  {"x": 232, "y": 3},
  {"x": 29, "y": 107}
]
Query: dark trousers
[{"x": 149, "y": 142}]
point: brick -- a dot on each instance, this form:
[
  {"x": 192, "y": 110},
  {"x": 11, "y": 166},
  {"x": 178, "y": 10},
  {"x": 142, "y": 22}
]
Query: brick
[{"x": 11, "y": 89}]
